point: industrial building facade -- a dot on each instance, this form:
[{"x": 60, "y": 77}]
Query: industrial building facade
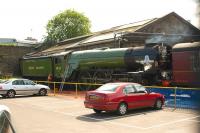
[{"x": 169, "y": 29}]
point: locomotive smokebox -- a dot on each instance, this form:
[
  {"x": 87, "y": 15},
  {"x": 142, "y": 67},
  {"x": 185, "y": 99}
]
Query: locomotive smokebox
[{"x": 140, "y": 58}]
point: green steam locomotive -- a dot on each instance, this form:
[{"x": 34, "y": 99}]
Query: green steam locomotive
[{"x": 147, "y": 65}]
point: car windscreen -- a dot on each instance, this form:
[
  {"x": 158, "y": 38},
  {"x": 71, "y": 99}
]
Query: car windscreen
[
  {"x": 4, "y": 81},
  {"x": 140, "y": 88},
  {"x": 108, "y": 87},
  {"x": 5, "y": 123}
]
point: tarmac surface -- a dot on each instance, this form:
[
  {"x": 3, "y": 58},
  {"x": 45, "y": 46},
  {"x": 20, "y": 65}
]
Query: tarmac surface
[{"x": 65, "y": 114}]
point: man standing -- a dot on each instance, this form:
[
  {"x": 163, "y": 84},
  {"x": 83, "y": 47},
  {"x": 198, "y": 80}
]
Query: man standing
[{"x": 50, "y": 79}]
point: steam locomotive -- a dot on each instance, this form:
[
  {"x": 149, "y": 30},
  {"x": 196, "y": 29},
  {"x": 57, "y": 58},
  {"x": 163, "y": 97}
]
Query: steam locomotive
[{"x": 158, "y": 64}]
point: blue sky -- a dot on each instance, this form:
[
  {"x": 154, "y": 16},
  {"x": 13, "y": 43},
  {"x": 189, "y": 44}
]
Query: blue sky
[{"x": 22, "y": 18}]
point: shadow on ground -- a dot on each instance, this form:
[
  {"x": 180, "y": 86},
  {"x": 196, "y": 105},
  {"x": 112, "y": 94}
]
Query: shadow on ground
[
  {"x": 106, "y": 116},
  {"x": 21, "y": 96}
]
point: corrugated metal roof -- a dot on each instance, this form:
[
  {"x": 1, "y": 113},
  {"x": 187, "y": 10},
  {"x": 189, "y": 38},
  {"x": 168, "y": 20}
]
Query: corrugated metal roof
[
  {"x": 110, "y": 33},
  {"x": 57, "y": 47},
  {"x": 100, "y": 37},
  {"x": 134, "y": 25},
  {"x": 105, "y": 35}
]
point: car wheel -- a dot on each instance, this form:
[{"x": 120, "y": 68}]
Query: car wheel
[
  {"x": 158, "y": 104},
  {"x": 43, "y": 92},
  {"x": 97, "y": 111},
  {"x": 11, "y": 93},
  {"x": 122, "y": 109}
]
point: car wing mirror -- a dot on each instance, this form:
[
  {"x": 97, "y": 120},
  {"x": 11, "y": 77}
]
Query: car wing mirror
[
  {"x": 126, "y": 94},
  {"x": 148, "y": 91}
]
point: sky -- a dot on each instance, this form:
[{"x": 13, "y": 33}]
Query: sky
[{"x": 22, "y": 18}]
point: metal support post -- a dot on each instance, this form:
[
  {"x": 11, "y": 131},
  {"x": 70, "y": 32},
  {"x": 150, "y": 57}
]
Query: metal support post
[
  {"x": 54, "y": 88},
  {"x": 76, "y": 91},
  {"x": 175, "y": 98}
]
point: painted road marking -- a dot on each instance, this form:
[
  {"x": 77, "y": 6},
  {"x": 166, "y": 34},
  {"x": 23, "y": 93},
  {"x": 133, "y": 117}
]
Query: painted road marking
[
  {"x": 194, "y": 121},
  {"x": 131, "y": 126},
  {"x": 116, "y": 117},
  {"x": 34, "y": 106},
  {"x": 73, "y": 115},
  {"x": 172, "y": 122},
  {"x": 80, "y": 112},
  {"x": 103, "y": 120}
]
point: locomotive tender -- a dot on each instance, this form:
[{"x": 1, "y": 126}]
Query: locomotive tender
[{"x": 146, "y": 65}]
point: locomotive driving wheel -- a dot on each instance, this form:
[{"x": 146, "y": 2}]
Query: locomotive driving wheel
[
  {"x": 84, "y": 77},
  {"x": 99, "y": 77},
  {"x": 102, "y": 77}
]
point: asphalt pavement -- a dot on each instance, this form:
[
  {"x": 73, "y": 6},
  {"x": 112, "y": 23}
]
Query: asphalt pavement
[{"x": 65, "y": 114}]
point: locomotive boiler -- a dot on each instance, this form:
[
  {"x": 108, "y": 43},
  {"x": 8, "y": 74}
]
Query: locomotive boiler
[{"x": 139, "y": 64}]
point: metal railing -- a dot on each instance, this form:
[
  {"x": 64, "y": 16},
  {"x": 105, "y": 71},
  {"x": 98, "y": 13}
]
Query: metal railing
[{"x": 55, "y": 85}]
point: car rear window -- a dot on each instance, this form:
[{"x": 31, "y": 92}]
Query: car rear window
[{"x": 108, "y": 87}]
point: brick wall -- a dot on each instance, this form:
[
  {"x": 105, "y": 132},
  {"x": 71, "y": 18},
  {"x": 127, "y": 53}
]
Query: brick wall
[{"x": 9, "y": 59}]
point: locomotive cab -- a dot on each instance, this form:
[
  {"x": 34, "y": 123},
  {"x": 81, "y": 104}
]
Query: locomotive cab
[{"x": 163, "y": 63}]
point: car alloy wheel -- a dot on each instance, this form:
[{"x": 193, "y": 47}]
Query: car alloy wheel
[
  {"x": 11, "y": 93},
  {"x": 122, "y": 109},
  {"x": 42, "y": 92},
  {"x": 158, "y": 104}
]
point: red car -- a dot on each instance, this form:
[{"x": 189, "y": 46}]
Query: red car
[{"x": 121, "y": 97}]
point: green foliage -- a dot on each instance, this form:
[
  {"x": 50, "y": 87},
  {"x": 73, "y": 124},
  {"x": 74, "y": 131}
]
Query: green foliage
[{"x": 65, "y": 25}]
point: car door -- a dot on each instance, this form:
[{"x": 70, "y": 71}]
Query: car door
[
  {"x": 145, "y": 98},
  {"x": 31, "y": 87},
  {"x": 131, "y": 97},
  {"x": 19, "y": 87}
]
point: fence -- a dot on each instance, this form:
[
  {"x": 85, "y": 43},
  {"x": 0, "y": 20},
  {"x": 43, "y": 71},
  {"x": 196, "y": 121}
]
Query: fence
[
  {"x": 6, "y": 75},
  {"x": 176, "y": 97},
  {"x": 71, "y": 86}
]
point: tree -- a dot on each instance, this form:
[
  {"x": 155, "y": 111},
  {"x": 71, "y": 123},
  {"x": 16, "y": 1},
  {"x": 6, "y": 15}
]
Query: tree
[{"x": 65, "y": 25}]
